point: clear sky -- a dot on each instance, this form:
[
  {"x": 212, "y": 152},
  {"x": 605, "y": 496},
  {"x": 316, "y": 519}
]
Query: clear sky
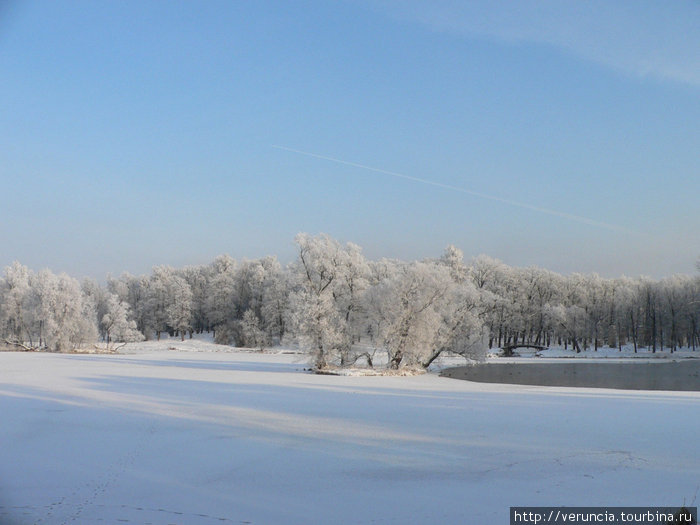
[{"x": 559, "y": 134}]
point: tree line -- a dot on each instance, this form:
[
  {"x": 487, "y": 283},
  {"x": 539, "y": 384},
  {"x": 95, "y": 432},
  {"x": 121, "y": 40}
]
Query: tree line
[{"x": 343, "y": 308}]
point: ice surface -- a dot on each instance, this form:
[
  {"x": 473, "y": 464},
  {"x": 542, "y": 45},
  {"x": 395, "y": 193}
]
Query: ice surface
[{"x": 195, "y": 436}]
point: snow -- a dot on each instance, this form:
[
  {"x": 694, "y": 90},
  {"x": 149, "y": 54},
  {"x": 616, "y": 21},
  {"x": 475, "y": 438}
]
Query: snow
[{"x": 207, "y": 434}]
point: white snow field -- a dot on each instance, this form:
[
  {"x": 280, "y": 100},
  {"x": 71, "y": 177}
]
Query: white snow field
[{"x": 198, "y": 435}]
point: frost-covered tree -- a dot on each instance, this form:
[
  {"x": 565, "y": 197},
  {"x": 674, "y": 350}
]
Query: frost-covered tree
[
  {"x": 275, "y": 301},
  {"x": 116, "y": 322},
  {"x": 423, "y": 312},
  {"x": 44, "y": 310},
  {"x": 250, "y": 334},
  {"x": 453, "y": 258},
  {"x": 460, "y": 330},
  {"x": 16, "y": 309},
  {"x": 65, "y": 317},
  {"x": 169, "y": 302},
  {"x": 221, "y": 303},
  {"x": 198, "y": 278},
  {"x": 158, "y": 298},
  {"x": 630, "y": 310},
  {"x": 178, "y": 309},
  {"x": 249, "y": 287},
  {"x": 316, "y": 326},
  {"x": 348, "y": 295},
  {"x": 313, "y": 315},
  {"x": 494, "y": 282},
  {"x": 134, "y": 291},
  {"x": 327, "y": 284}
]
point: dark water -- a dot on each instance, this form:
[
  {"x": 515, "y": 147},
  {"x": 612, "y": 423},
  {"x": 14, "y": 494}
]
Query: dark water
[{"x": 634, "y": 375}]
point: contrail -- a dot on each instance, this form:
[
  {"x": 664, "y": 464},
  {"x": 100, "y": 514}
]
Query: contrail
[{"x": 576, "y": 218}]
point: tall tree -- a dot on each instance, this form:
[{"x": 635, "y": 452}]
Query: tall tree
[{"x": 16, "y": 309}]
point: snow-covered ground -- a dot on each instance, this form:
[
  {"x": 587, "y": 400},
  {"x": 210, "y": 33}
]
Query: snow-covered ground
[{"x": 205, "y": 434}]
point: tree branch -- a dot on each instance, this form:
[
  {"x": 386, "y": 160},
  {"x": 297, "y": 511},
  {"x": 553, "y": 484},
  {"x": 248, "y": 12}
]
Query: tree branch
[{"x": 21, "y": 345}]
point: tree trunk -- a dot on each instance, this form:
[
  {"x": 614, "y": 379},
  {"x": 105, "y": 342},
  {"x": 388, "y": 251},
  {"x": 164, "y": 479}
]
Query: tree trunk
[
  {"x": 429, "y": 361},
  {"x": 396, "y": 360}
]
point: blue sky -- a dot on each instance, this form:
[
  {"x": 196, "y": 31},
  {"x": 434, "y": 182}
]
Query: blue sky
[{"x": 140, "y": 133}]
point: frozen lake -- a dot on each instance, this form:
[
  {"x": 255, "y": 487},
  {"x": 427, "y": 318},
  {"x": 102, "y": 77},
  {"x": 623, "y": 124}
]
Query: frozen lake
[{"x": 202, "y": 437}]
